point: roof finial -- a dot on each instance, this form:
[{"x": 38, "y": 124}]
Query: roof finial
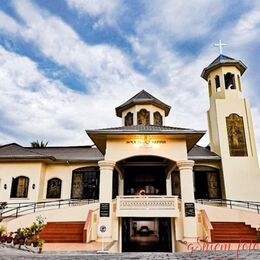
[{"x": 220, "y": 45}]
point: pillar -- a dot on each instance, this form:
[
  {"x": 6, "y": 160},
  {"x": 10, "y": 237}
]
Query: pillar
[
  {"x": 169, "y": 184},
  {"x": 105, "y": 198},
  {"x": 187, "y": 200}
]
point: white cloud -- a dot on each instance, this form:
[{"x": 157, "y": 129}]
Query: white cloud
[
  {"x": 181, "y": 19},
  {"x": 109, "y": 75},
  {"x": 247, "y": 28},
  {"x": 112, "y": 73},
  {"x": 8, "y": 22},
  {"x": 39, "y": 108},
  {"x": 105, "y": 11}
]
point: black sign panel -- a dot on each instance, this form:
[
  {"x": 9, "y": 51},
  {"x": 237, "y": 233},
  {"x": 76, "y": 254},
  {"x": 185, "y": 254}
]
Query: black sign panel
[
  {"x": 104, "y": 210},
  {"x": 189, "y": 209}
]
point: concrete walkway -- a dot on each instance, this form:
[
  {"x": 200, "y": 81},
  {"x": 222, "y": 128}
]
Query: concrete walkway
[
  {"x": 9, "y": 252},
  {"x": 93, "y": 246}
]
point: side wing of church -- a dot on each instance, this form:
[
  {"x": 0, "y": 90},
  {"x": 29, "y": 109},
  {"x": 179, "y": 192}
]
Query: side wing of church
[{"x": 142, "y": 181}]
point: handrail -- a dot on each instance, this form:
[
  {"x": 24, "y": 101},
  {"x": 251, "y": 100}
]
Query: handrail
[
  {"x": 206, "y": 225},
  {"x": 87, "y": 227},
  {"x": 255, "y": 206},
  {"x": 36, "y": 206}
]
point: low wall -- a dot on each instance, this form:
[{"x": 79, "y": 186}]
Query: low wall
[
  {"x": 231, "y": 215},
  {"x": 73, "y": 213}
]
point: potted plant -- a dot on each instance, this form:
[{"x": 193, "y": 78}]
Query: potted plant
[
  {"x": 3, "y": 238},
  {"x": 16, "y": 240},
  {"x": 2, "y": 230},
  {"x": 36, "y": 228},
  {"x": 21, "y": 235},
  {"x": 41, "y": 242},
  {"x": 9, "y": 238},
  {"x": 29, "y": 236}
]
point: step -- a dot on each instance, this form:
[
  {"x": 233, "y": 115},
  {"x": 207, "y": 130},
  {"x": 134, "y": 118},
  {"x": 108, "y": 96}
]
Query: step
[
  {"x": 233, "y": 237},
  {"x": 63, "y": 232},
  {"x": 232, "y": 232}
]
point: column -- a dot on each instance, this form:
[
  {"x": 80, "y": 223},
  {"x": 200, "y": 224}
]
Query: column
[
  {"x": 169, "y": 184},
  {"x": 187, "y": 200},
  {"x": 105, "y": 198}
]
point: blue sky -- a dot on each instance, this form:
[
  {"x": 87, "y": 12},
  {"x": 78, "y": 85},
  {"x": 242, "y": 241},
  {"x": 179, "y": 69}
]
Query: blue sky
[{"x": 66, "y": 64}]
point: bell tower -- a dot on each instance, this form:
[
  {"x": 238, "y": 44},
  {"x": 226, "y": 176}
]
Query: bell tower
[{"x": 230, "y": 128}]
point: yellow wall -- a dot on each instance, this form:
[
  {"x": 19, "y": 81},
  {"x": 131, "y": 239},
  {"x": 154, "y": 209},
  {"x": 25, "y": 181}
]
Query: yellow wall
[
  {"x": 137, "y": 108},
  {"x": 38, "y": 174},
  {"x": 119, "y": 148},
  {"x": 241, "y": 174},
  {"x": 13, "y": 170}
]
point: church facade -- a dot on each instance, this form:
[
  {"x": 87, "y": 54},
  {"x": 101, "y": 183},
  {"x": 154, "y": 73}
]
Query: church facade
[{"x": 145, "y": 177}]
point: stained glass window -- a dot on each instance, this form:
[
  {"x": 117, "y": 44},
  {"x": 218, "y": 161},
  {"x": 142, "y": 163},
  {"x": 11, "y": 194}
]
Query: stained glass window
[
  {"x": 85, "y": 183},
  {"x": 54, "y": 188},
  {"x": 143, "y": 117},
  {"x": 129, "y": 120},
  {"x": 20, "y": 187},
  {"x": 236, "y": 135},
  {"x": 157, "y": 118}
]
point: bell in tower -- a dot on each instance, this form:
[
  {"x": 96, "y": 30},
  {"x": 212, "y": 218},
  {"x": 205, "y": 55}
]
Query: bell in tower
[{"x": 231, "y": 129}]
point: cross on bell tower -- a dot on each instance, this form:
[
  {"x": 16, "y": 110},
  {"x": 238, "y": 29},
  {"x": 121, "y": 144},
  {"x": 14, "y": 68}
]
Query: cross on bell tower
[{"x": 220, "y": 45}]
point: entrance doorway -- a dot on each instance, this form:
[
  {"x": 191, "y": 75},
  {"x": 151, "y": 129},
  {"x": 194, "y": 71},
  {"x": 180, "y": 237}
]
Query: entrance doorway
[
  {"x": 145, "y": 175},
  {"x": 146, "y": 235},
  {"x": 207, "y": 183}
]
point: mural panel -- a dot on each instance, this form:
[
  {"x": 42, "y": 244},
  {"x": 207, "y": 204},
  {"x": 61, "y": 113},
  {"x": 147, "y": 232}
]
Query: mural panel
[{"x": 236, "y": 135}]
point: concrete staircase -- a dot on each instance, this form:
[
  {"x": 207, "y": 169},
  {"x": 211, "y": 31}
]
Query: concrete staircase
[
  {"x": 232, "y": 232},
  {"x": 63, "y": 232}
]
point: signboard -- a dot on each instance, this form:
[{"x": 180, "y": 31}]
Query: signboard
[
  {"x": 104, "y": 210},
  {"x": 189, "y": 209},
  {"x": 103, "y": 228}
]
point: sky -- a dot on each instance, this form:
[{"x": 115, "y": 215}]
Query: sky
[{"x": 66, "y": 64}]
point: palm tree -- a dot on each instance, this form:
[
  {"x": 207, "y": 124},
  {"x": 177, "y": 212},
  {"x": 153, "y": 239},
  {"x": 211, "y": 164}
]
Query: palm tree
[{"x": 37, "y": 144}]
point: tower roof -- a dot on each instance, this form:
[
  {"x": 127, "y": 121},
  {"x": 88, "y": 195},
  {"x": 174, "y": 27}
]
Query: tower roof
[
  {"x": 223, "y": 60},
  {"x": 142, "y": 98}
]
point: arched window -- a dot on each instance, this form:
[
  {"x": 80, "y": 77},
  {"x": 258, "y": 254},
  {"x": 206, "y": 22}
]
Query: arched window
[
  {"x": 129, "y": 119},
  {"x": 230, "y": 81},
  {"x": 239, "y": 83},
  {"x": 143, "y": 117},
  {"x": 20, "y": 187},
  {"x": 207, "y": 184},
  {"x": 209, "y": 86},
  {"x": 115, "y": 184},
  {"x": 217, "y": 83},
  {"x": 176, "y": 183},
  {"x": 157, "y": 118},
  {"x": 85, "y": 183},
  {"x": 54, "y": 188}
]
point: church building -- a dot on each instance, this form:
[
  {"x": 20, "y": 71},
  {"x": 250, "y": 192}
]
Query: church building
[{"x": 144, "y": 186}]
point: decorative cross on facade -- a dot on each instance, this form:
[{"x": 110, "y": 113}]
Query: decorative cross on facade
[{"x": 220, "y": 45}]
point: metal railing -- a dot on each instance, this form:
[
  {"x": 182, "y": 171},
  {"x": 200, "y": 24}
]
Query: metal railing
[
  {"x": 249, "y": 205},
  {"x": 17, "y": 209}
]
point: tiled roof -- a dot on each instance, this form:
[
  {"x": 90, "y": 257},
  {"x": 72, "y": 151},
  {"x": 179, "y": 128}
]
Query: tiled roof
[
  {"x": 80, "y": 153},
  {"x": 142, "y": 128},
  {"x": 199, "y": 152},
  {"x": 16, "y": 151},
  {"x": 142, "y": 97},
  {"x": 69, "y": 153},
  {"x": 223, "y": 60}
]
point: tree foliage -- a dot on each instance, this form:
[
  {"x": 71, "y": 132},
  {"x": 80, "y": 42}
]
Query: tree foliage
[{"x": 38, "y": 144}]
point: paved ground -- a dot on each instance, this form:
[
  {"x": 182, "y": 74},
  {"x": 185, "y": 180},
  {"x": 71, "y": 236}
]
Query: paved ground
[{"x": 8, "y": 252}]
